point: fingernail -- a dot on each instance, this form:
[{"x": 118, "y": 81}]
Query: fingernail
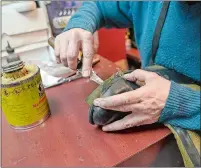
[
  {"x": 97, "y": 102},
  {"x": 126, "y": 76},
  {"x": 104, "y": 129},
  {"x": 86, "y": 73},
  {"x": 129, "y": 77}
]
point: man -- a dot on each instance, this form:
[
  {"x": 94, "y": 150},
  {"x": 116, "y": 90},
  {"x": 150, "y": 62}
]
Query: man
[{"x": 178, "y": 48}]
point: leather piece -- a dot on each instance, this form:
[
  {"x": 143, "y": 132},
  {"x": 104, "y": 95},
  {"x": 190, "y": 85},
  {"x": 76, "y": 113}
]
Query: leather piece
[
  {"x": 117, "y": 85},
  {"x": 189, "y": 147}
]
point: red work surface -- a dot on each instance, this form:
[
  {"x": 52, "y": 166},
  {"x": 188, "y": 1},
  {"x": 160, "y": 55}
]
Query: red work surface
[
  {"x": 67, "y": 138},
  {"x": 112, "y": 44}
]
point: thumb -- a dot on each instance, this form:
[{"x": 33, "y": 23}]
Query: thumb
[
  {"x": 130, "y": 77},
  {"x": 139, "y": 76}
]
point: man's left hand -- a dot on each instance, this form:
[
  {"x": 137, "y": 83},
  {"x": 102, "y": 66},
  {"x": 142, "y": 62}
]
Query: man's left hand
[{"x": 145, "y": 103}]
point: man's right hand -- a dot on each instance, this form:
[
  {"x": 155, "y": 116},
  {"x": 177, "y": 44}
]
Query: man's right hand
[{"x": 68, "y": 45}]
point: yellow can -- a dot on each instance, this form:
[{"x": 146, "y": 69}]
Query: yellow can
[{"x": 24, "y": 101}]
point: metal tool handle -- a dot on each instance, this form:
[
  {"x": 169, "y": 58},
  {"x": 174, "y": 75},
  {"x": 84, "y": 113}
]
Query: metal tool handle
[{"x": 51, "y": 42}]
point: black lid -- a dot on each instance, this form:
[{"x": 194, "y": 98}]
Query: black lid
[{"x": 9, "y": 49}]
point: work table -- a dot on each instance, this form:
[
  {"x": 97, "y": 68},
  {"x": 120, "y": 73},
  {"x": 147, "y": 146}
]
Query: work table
[{"x": 67, "y": 138}]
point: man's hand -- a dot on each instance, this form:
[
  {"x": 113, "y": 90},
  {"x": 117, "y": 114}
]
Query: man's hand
[
  {"x": 145, "y": 103},
  {"x": 68, "y": 45}
]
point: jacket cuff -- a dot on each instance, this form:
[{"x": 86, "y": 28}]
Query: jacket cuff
[
  {"x": 179, "y": 103},
  {"x": 77, "y": 23}
]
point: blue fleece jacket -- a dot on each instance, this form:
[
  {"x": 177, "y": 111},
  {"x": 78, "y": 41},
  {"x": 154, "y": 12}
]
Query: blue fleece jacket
[{"x": 179, "y": 45}]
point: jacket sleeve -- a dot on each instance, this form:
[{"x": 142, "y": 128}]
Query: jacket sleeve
[
  {"x": 96, "y": 14},
  {"x": 182, "y": 108}
]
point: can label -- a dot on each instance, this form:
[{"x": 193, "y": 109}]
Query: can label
[{"x": 26, "y": 103}]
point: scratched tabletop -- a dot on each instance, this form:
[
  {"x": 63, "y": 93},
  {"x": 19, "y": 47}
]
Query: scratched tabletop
[{"x": 67, "y": 138}]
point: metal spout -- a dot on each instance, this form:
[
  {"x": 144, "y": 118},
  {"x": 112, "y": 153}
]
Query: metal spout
[{"x": 13, "y": 61}]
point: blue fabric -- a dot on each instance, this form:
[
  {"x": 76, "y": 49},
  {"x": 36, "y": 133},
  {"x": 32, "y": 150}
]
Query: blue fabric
[{"x": 179, "y": 45}]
